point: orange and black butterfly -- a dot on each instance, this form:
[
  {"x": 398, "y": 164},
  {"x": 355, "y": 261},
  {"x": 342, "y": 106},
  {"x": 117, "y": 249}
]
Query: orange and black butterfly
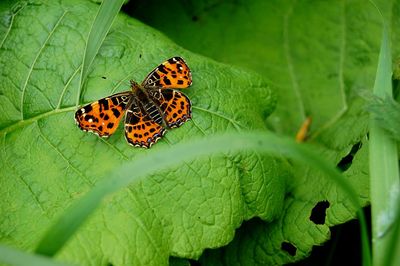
[{"x": 151, "y": 107}]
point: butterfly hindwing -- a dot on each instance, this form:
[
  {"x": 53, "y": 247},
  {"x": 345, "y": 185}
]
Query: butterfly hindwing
[
  {"x": 140, "y": 129},
  {"x": 103, "y": 116},
  {"x": 174, "y": 105},
  {"x": 173, "y": 73}
]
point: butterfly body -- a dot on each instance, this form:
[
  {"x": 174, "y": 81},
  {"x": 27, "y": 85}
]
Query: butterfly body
[{"x": 150, "y": 108}]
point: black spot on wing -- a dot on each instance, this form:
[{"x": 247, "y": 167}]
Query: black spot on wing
[
  {"x": 166, "y": 80},
  {"x": 88, "y": 117},
  {"x": 104, "y": 104},
  {"x": 162, "y": 70},
  {"x": 179, "y": 66},
  {"x": 115, "y": 100},
  {"x": 88, "y": 108},
  {"x": 132, "y": 119},
  {"x": 168, "y": 94},
  {"x": 116, "y": 112},
  {"x": 156, "y": 75}
]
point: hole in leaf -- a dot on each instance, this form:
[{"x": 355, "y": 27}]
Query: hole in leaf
[
  {"x": 103, "y": 77},
  {"x": 289, "y": 248},
  {"x": 346, "y": 161},
  {"x": 195, "y": 18},
  {"x": 194, "y": 263},
  {"x": 344, "y": 247},
  {"x": 318, "y": 213},
  {"x": 110, "y": 264},
  {"x": 396, "y": 87}
]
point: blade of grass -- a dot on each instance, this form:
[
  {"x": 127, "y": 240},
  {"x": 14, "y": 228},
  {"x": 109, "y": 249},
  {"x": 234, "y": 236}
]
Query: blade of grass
[
  {"x": 108, "y": 11},
  {"x": 386, "y": 112},
  {"x": 392, "y": 257},
  {"x": 15, "y": 257},
  {"x": 383, "y": 161},
  {"x": 162, "y": 159}
]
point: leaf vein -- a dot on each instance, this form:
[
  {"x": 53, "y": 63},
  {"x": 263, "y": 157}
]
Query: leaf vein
[
  {"x": 235, "y": 123},
  {"x": 22, "y": 123},
  {"x": 76, "y": 170},
  {"x": 114, "y": 148},
  {"x": 140, "y": 224},
  {"x": 35, "y": 60},
  {"x": 66, "y": 86},
  {"x": 198, "y": 127},
  {"x": 292, "y": 72},
  {"x": 35, "y": 197},
  {"x": 342, "y": 91},
  {"x": 10, "y": 26}
]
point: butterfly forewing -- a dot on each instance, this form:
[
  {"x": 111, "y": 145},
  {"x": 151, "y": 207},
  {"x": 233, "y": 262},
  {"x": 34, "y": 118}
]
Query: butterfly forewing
[
  {"x": 140, "y": 129},
  {"x": 173, "y": 73},
  {"x": 103, "y": 116}
]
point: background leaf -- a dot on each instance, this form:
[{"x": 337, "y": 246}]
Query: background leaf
[
  {"x": 319, "y": 55},
  {"x": 47, "y": 162}
]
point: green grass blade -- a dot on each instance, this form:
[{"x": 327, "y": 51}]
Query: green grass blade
[
  {"x": 392, "y": 256},
  {"x": 15, "y": 257},
  {"x": 162, "y": 159},
  {"x": 108, "y": 11},
  {"x": 386, "y": 112},
  {"x": 384, "y": 169}
]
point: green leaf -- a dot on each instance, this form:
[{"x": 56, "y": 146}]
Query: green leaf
[
  {"x": 318, "y": 55},
  {"x": 48, "y": 163},
  {"x": 181, "y": 153}
]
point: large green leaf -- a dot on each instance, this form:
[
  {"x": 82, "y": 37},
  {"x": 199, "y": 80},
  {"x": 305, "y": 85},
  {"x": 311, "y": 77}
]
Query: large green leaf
[
  {"x": 319, "y": 55},
  {"x": 47, "y": 162}
]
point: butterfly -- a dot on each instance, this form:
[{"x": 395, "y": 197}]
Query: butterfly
[{"x": 151, "y": 107}]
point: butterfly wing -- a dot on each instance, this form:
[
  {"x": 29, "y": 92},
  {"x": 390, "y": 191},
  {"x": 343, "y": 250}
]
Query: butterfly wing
[
  {"x": 173, "y": 73},
  {"x": 102, "y": 117},
  {"x": 140, "y": 129},
  {"x": 174, "y": 105}
]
